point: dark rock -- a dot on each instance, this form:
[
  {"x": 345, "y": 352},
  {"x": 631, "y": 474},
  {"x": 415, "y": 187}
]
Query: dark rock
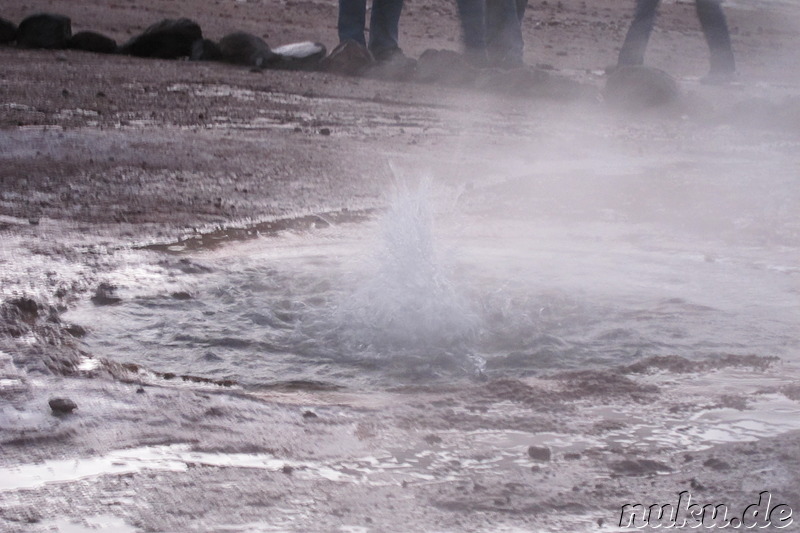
[
  {"x": 105, "y": 294},
  {"x": 140, "y": 390},
  {"x": 76, "y": 331},
  {"x": 168, "y": 39},
  {"x": 287, "y": 469},
  {"x": 300, "y": 56},
  {"x": 44, "y": 30},
  {"x": 445, "y": 67},
  {"x": 181, "y": 295},
  {"x": 90, "y": 41},
  {"x": 396, "y": 67},
  {"x": 717, "y": 464},
  {"x": 325, "y": 131},
  {"x": 28, "y": 309},
  {"x": 8, "y": 31},
  {"x": 636, "y": 88},
  {"x": 639, "y": 467},
  {"x": 205, "y": 50},
  {"x": 432, "y": 439},
  {"x": 242, "y": 48},
  {"x": 310, "y": 414},
  {"x": 349, "y": 58},
  {"x": 572, "y": 456},
  {"x": 539, "y": 453},
  {"x": 62, "y": 406}
]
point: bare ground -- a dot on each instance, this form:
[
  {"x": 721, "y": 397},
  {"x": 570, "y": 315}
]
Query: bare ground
[{"x": 101, "y": 153}]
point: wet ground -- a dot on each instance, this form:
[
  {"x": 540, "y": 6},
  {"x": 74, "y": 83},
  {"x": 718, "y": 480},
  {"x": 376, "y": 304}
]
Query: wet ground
[{"x": 625, "y": 286}]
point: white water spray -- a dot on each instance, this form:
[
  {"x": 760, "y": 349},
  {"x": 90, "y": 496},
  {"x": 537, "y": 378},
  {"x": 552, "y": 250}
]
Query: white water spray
[{"x": 406, "y": 302}]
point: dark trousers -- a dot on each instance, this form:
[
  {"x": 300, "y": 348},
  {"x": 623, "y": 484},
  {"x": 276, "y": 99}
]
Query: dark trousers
[
  {"x": 493, "y": 27},
  {"x": 383, "y": 23},
  {"x": 715, "y": 29}
]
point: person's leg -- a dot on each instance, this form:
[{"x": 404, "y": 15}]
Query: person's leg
[
  {"x": 472, "y": 14},
  {"x": 352, "y": 19},
  {"x": 383, "y": 27},
  {"x": 504, "y": 42},
  {"x": 632, "y": 51},
  {"x": 715, "y": 28}
]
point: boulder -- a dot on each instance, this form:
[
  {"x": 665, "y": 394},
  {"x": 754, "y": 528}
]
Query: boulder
[
  {"x": 205, "y": 50},
  {"x": 8, "y": 31},
  {"x": 636, "y": 88},
  {"x": 300, "y": 56},
  {"x": 242, "y": 48},
  {"x": 168, "y": 39},
  {"x": 90, "y": 41},
  {"x": 44, "y": 30},
  {"x": 349, "y": 58},
  {"x": 445, "y": 67}
]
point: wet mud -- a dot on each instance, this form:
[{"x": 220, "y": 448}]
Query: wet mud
[{"x": 117, "y": 168}]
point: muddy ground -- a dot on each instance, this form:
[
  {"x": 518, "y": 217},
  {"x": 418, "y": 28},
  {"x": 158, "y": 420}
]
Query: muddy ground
[{"x": 102, "y": 155}]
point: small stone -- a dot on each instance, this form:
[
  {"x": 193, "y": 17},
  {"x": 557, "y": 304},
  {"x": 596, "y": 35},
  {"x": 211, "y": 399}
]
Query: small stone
[
  {"x": 539, "y": 453},
  {"x": 105, "y": 294},
  {"x": 76, "y": 331},
  {"x": 287, "y": 470},
  {"x": 61, "y": 406},
  {"x": 140, "y": 390},
  {"x": 181, "y": 295},
  {"x": 310, "y": 414},
  {"x": 325, "y": 131},
  {"x": 716, "y": 464}
]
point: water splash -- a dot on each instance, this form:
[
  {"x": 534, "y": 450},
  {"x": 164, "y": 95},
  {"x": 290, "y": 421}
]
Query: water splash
[{"x": 405, "y": 303}]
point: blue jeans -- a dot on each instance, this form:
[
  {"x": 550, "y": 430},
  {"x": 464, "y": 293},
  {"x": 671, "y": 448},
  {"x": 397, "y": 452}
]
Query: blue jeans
[
  {"x": 493, "y": 28},
  {"x": 383, "y": 24},
  {"x": 715, "y": 29}
]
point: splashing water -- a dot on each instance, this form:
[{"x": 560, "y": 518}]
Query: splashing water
[{"x": 405, "y": 305}]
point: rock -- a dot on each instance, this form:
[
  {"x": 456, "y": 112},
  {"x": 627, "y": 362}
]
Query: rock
[
  {"x": 205, "y": 50},
  {"x": 287, "y": 469},
  {"x": 168, "y": 39},
  {"x": 639, "y": 467},
  {"x": 62, "y": 406},
  {"x": 90, "y": 41},
  {"x": 300, "y": 56},
  {"x": 44, "y": 30},
  {"x": 636, "y": 88},
  {"x": 539, "y": 453},
  {"x": 181, "y": 295},
  {"x": 8, "y": 31},
  {"x": 310, "y": 414},
  {"x": 445, "y": 67},
  {"x": 394, "y": 68},
  {"x": 105, "y": 294},
  {"x": 349, "y": 58},
  {"x": 242, "y": 48},
  {"x": 717, "y": 464},
  {"x": 76, "y": 331}
]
